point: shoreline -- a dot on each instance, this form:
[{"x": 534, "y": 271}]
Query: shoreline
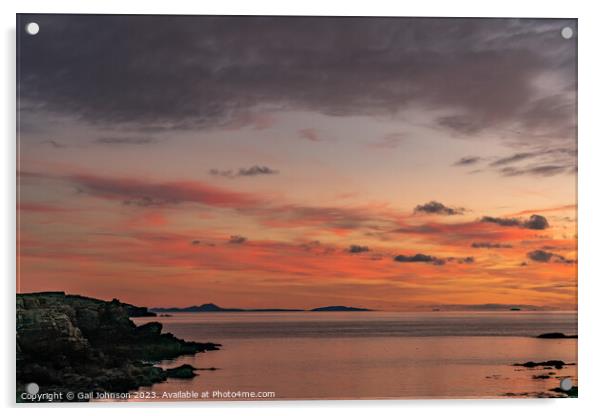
[{"x": 85, "y": 345}]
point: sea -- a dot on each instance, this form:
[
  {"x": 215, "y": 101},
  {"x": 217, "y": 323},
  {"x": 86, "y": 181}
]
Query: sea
[{"x": 368, "y": 355}]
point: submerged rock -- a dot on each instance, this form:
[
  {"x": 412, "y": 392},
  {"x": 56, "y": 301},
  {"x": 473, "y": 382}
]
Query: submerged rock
[{"x": 74, "y": 343}]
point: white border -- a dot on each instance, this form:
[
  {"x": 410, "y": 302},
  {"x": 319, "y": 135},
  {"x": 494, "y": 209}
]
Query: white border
[{"x": 590, "y": 174}]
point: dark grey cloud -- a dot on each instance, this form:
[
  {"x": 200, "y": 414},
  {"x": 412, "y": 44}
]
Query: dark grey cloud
[
  {"x": 126, "y": 140},
  {"x": 517, "y": 157},
  {"x": 544, "y": 170},
  {"x": 468, "y": 161},
  {"x": 255, "y": 170},
  {"x": 465, "y": 125},
  {"x": 156, "y": 72},
  {"x": 540, "y": 162},
  {"x": 535, "y": 222},
  {"x": 504, "y": 222},
  {"x": 543, "y": 256},
  {"x": 419, "y": 258},
  {"x": 540, "y": 256},
  {"x": 487, "y": 244},
  {"x": 237, "y": 239},
  {"x": 358, "y": 249},
  {"x": 438, "y": 208}
]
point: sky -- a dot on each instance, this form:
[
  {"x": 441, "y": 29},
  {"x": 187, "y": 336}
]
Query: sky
[{"x": 297, "y": 162}]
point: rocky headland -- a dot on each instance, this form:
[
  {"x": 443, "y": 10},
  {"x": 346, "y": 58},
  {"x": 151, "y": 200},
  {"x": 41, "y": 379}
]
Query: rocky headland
[{"x": 74, "y": 343}]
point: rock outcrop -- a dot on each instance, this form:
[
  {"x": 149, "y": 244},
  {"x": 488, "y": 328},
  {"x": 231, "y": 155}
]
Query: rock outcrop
[
  {"x": 138, "y": 311},
  {"x": 558, "y": 364},
  {"x": 74, "y": 343},
  {"x": 556, "y": 335}
]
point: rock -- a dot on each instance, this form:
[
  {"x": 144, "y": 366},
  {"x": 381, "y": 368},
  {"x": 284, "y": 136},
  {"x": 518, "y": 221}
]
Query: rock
[
  {"x": 573, "y": 392},
  {"x": 138, "y": 311},
  {"x": 74, "y": 343},
  {"x": 556, "y": 335},
  {"x": 183, "y": 371},
  {"x": 150, "y": 330},
  {"x": 558, "y": 364},
  {"x": 48, "y": 332}
]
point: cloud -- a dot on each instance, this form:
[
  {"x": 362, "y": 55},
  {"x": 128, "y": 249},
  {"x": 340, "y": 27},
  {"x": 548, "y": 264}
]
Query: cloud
[
  {"x": 535, "y": 222},
  {"x": 339, "y": 220},
  {"x": 512, "y": 159},
  {"x": 504, "y": 222},
  {"x": 438, "y": 208},
  {"x": 460, "y": 233},
  {"x": 543, "y": 256},
  {"x": 560, "y": 208},
  {"x": 55, "y": 144},
  {"x": 542, "y": 161},
  {"x": 147, "y": 201},
  {"x": 466, "y": 260},
  {"x": 540, "y": 255},
  {"x": 40, "y": 208},
  {"x": 255, "y": 170},
  {"x": 419, "y": 258},
  {"x": 389, "y": 141},
  {"x": 268, "y": 211},
  {"x": 358, "y": 249},
  {"x": 486, "y": 244},
  {"x": 126, "y": 140},
  {"x": 544, "y": 170},
  {"x": 461, "y": 124},
  {"x": 560, "y": 288},
  {"x": 468, "y": 161},
  {"x": 148, "y": 193},
  {"x": 237, "y": 239},
  {"x": 310, "y": 134},
  {"x": 477, "y": 73}
]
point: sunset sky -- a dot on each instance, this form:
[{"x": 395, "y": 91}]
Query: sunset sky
[{"x": 388, "y": 163}]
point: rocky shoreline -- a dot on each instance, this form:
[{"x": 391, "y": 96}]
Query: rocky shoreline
[{"x": 70, "y": 343}]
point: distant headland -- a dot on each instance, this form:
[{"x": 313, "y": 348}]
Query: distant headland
[{"x": 211, "y": 307}]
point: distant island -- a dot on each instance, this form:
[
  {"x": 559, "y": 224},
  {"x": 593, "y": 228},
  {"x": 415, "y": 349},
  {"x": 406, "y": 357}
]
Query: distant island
[
  {"x": 339, "y": 309},
  {"x": 211, "y": 307}
]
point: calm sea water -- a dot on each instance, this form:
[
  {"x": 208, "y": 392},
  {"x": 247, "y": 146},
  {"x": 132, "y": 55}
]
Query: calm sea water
[{"x": 352, "y": 355}]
